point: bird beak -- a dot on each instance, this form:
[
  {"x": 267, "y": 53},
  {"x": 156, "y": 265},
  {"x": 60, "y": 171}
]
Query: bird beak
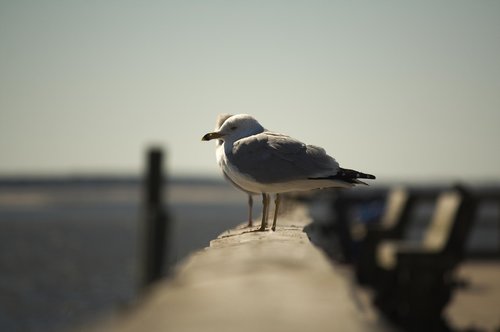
[{"x": 211, "y": 136}]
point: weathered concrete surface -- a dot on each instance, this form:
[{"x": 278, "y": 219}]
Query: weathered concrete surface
[{"x": 254, "y": 281}]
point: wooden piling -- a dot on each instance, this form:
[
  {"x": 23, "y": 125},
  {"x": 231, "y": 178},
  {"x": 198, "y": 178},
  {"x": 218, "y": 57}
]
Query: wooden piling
[{"x": 154, "y": 224}]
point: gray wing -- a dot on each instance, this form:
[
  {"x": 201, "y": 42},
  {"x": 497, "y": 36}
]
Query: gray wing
[{"x": 269, "y": 157}]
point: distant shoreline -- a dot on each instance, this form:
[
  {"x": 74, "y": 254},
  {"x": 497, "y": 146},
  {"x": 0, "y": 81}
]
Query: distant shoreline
[
  {"x": 196, "y": 180},
  {"x": 101, "y": 180}
]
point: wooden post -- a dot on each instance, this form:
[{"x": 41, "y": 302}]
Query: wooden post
[{"x": 154, "y": 224}]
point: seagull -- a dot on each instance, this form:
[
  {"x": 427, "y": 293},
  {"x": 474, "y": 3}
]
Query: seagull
[
  {"x": 219, "y": 152},
  {"x": 261, "y": 161}
]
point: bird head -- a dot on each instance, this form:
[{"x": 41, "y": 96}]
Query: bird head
[{"x": 236, "y": 127}]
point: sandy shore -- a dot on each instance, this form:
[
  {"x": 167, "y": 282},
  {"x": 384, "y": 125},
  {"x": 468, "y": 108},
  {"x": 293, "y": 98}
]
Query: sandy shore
[{"x": 478, "y": 304}]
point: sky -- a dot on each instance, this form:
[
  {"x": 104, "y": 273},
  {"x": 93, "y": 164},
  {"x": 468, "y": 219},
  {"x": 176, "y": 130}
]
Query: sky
[{"x": 403, "y": 90}]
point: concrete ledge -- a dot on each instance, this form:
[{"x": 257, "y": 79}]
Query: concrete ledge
[{"x": 253, "y": 281}]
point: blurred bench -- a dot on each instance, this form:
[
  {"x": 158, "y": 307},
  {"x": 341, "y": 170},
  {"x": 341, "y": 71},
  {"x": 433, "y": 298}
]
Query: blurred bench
[
  {"x": 392, "y": 225},
  {"x": 415, "y": 282},
  {"x": 342, "y": 228}
]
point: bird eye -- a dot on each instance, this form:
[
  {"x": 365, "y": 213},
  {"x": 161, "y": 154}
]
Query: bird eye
[{"x": 233, "y": 128}]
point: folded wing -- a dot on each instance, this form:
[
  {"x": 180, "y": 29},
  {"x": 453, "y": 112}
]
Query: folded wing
[{"x": 271, "y": 158}]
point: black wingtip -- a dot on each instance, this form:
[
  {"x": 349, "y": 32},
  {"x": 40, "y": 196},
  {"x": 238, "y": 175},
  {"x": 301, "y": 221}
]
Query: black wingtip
[
  {"x": 367, "y": 176},
  {"x": 350, "y": 176}
]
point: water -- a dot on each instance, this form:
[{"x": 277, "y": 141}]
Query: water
[{"x": 69, "y": 251}]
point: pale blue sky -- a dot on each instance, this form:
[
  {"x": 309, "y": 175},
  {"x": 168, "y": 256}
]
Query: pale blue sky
[{"x": 403, "y": 90}]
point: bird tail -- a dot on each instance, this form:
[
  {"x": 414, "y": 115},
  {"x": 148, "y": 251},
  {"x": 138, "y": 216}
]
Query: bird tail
[{"x": 350, "y": 176}]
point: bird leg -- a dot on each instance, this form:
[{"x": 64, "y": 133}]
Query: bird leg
[
  {"x": 265, "y": 211},
  {"x": 250, "y": 206},
  {"x": 277, "y": 201}
]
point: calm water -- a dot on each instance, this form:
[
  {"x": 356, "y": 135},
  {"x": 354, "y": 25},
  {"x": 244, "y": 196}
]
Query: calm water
[
  {"x": 69, "y": 249},
  {"x": 69, "y": 252}
]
